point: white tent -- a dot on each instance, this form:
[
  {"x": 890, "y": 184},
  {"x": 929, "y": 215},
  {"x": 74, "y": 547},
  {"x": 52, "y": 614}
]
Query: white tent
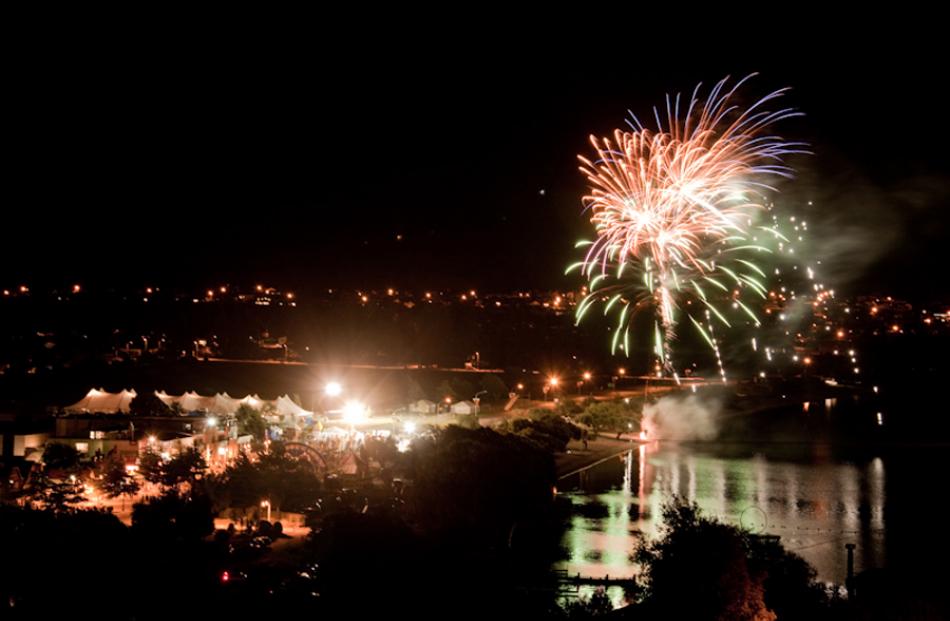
[
  {"x": 224, "y": 404},
  {"x": 193, "y": 402},
  {"x": 254, "y": 401},
  {"x": 221, "y": 403},
  {"x": 286, "y": 406},
  {"x": 166, "y": 398},
  {"x": 98, "y": 401}
]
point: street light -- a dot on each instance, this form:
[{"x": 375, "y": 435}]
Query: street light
[
  {"x": 587, "y": 376},
  {"x": 333, "y": 389},
  {"x": 266, "y": 503}
]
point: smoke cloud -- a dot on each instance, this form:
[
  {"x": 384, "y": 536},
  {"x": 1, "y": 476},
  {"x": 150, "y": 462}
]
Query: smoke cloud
[{"x": 681, "y": 418}]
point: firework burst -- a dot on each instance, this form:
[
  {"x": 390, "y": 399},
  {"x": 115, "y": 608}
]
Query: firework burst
[{"x": 675, "y": 210}]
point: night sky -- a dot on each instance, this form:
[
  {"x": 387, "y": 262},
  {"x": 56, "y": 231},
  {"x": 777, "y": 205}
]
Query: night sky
[{"x": 193, "y": 163}]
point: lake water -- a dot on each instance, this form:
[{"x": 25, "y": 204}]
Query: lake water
[{"x": 817, "y": 499}]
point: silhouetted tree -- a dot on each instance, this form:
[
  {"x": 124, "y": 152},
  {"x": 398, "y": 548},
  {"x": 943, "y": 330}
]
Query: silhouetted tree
[
  {"x": 597, "y": 605},
  {"x": 250, "y": 421},
  {"x": 59, "y": 456},
  {"x": 58, "y": 495},
  {"x": 148, "y": 404},
  {"x": 47, "y": 544},
  {"x": 547, "y": 429},
  {"x": 478, "y": 482},
  {"x": 290, "y": 484},
  {"x": 186, "y": 467},
  {"x": 172, "y": 515},
  {"x": 116, "y": 480},
  {"x": 699, "y": 569},
  {"x": 150, "y": 467},
  {"x": 791, "y": 586}
]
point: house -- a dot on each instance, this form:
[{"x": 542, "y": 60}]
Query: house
[
  {"x": 464, "y": 407},
  {"x": 422, "y": 406}
]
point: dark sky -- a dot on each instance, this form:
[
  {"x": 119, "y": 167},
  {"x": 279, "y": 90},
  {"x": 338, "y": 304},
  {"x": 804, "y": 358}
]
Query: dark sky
[{"x": 197, "y": 160}]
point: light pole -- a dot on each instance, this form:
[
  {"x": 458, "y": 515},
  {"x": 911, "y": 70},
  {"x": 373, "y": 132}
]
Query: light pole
[{"x": 211, "y": 436}]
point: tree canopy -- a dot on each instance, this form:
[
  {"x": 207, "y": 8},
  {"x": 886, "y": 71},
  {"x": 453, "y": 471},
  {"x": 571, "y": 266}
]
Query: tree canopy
[
  {"x": 726, "y": 572},
  {"x": 148, "y": 404},
  {"x": 59, "y": 456},
  {"x": 250, "y": 421}
]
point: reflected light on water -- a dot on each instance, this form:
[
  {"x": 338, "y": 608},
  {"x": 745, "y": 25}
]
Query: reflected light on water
[{"x": 813, "y": 503}]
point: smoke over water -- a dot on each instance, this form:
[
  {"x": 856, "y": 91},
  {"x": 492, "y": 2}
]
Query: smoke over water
[{"x": 681, "y": 418}]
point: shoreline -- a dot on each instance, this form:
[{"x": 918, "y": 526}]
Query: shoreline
[
  {"x": 605, "y": 448},
  {"x": 599, "y": 450}
]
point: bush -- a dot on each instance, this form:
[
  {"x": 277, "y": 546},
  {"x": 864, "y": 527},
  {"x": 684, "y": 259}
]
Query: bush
[{"x": 611, "y": 416}]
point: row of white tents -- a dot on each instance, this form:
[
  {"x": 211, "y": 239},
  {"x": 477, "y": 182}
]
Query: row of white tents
[{"x": 99, "y": 401}]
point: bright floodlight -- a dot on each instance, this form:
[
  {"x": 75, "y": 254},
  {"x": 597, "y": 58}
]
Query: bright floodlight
[
  {"x": 333, "y": 389},
  {"x": 354, "y": 412},
  {"x": 409, "y": 427},
  {"x": 553, "y": 381},
  {"x": 212, "y": 421}
]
